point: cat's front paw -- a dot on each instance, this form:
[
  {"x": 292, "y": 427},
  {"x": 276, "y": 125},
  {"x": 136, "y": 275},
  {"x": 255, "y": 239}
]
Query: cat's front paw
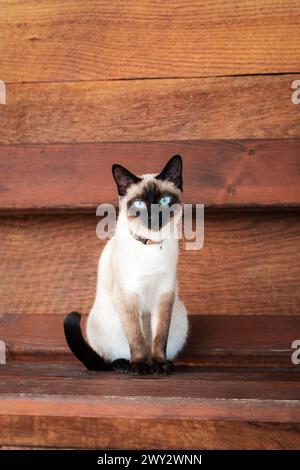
[
  {"x": 121, "y": 366},
  {"x": 139, "y": 368},
  {"x": 162, "y": 367}
]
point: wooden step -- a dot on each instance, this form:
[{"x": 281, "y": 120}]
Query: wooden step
[
  {"x": 208, "y": 408},
  {"x": 249, "y": 265},
  {"x": 48, "y": 399},
  {"x": 213, "y": 339},
  {"x": 243, "y": 107},
  {"x": 217, "y": 173},
  {"x": 174, "y": 39}
]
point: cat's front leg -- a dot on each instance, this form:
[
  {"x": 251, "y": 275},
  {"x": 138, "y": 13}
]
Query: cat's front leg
[
  {"x": 160, "y": 329},
  {"x": 130, "y": 316}
]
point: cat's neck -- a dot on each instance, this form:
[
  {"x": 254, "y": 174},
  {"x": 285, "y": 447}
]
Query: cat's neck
[{"x": 125, "y": 234}]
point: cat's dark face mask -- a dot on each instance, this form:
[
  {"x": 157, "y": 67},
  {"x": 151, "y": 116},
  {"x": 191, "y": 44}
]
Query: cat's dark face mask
[
  {"x": 152, "y": 201},
  {"x": 153, "y": 206}
]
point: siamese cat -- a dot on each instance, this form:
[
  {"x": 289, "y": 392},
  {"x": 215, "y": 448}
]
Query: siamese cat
[{"x": 137, "y": 324}]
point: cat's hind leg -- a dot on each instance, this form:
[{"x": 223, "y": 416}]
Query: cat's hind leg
[
  {"x": 106, "y": 335},
  {"x": 178, "y": 329}
]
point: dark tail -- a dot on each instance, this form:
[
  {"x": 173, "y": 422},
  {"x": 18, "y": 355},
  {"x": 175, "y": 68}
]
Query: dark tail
[{"x": 78, "y": 345}]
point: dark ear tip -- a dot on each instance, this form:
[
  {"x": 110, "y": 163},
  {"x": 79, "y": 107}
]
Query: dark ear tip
[
  {"x": 178, "y": 158},
  {"x": 116, "y": 169}
]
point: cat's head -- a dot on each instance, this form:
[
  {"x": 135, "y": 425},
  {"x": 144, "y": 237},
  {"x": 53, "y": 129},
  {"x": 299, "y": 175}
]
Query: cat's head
[{"x": 152, "y": 202}]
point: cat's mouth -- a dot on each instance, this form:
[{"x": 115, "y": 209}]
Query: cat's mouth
[{"x": 156, "y": 233}]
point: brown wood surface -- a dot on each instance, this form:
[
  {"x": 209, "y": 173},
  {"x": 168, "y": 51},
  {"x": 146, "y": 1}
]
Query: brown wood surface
[
  {"x": 192, "y": 386},
  {"x": 75, "y": 105},
  {"x": 137, "y": 110},
  {"x": 213, "y": 339},
  {"x": 49, "y": 41},
  {"x": 216, "y": 173},
  {"x": 101, "y": 433},
  {"x": 29, "y": 448},
  {"x": 49, "y": 405},
  {"x": 137, "y": 386},
  {"x": 249, "y": 264},
  {"x": 149, "y": 398}
]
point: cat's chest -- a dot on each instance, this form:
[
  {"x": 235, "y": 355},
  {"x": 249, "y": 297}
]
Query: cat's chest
[
  {"x": 149, "y": 289},
  {"x": 148, "y": 265},
  {"x": 149, "y": 270}
]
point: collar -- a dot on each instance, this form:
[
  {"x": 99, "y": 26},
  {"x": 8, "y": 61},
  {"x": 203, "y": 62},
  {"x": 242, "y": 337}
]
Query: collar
[{"x": 145, "y": 241}]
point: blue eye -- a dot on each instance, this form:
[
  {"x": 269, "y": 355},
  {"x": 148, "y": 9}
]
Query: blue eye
[
  {"x": 165, "y": 201},
  {"x": 139, "y": 204}
]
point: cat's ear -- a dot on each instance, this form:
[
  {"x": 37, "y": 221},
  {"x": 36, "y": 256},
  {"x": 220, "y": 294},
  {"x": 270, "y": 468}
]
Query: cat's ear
[
  {"x": 172, "y": 171},
  {"x": 123, "y": 178}
]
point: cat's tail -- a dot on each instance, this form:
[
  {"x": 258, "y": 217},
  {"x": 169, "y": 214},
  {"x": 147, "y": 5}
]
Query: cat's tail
[{"x": 78, "y": 345}]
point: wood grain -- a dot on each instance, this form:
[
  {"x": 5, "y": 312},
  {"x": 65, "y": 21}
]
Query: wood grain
[
  {"x": 192, "y": 394},
  {"x": 61, "y": 432},
  {"x": 211, "y": 406},
  {"x": 49, "y": 41},
  {"x": 249, "y": 264},
  {"x": 137, "y": 386},
  {"x": 213, "y": 339},
  {"x": 216, "y": 173},
  {"x": 137, "y": 110}
]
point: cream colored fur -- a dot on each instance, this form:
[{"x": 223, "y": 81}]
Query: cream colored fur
[{"x": 148, "y": 271}]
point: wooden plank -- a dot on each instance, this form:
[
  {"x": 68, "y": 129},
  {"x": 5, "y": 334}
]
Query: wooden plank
[
  {"x": 101, "y": 433},
  {"x": 37, "y": 415},
  {"x": 216, "y": 173},
  {"x": 137, "y": 110},
  {"x": 49, "y": 41},
  {"x": 249, "y": 264},
  {"x": 192, "y": 386},
  {"x": 48, "y": 370},
  {"x": 165, "y": 407},
  {"x": 28, "y": 448},
  {"x": 49, "y": 405},
  {"x": 213, "y": 339}
]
